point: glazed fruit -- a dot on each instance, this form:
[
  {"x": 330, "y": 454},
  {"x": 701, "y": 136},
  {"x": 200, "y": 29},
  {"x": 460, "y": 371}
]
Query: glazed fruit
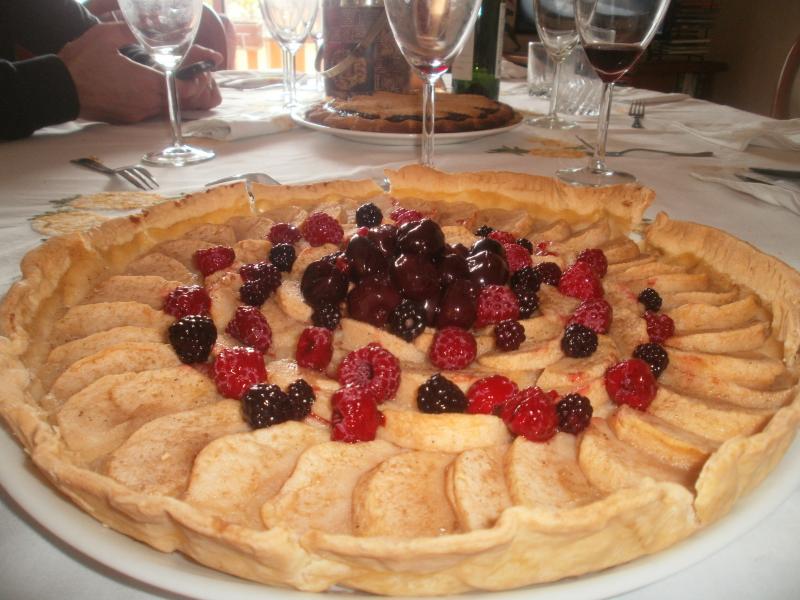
[
  {"x": 323, "y": 283},
  {"x": 326, "y": 315},
  {"x": 372, "y": 368},
  {"x": 526, "y": 243},
  {"x": 402, "y": 216},
  {"x": 504, "y": 237},
  {"x": 487, "y": 244},
  {"x": 368, "y": 215},
  {"x": 487, "y": 268},
  {"x": 531, "y": 413},
  {"x": 423, "y": 237},
  {"x": 314, "y": 348},
  {"x": 192, "y": 337},
  {"x": 496, "y": 303},
  {"x": 364, "y": 258},
  {"x": 440, "y": 395},
  {"x": 284, "y": 233},
  {"x": 548, "y": 272},
  {"x": 452, "y": 348},
  {"x": 355, "y": 416},
  {"x": 320, "y": 228},
  {"x": 596, "y": 259},
  {"x": 267, "y": 274},
  {"x": 254, "y": 293},
  {"x": 580, "y": 281},
  {"x": 372, "y": 301},
  {"x": 650, "y": 299},
  {"x": 578, "y": 341},
  {"x": 488, "y": 395},
  {"x": 452, "y": 267},
  {"x": 302, "y": 397},
  {"x": 528, "y": 303},
  {"x": 264, "y": 405},
  {"x": 415, "y": 276},
  {"x": 525, "y": 279},
  {"x": 407, "y": 320},
  {"x": 654, "y": 355},
  {"x": 483, "y": 231},
  {"x": 631, "y": 382},
  {"x": 574, "y": 413},
  {"x": 509, "y": 335},
  {"x": 594, "y": 313},
  {"x": 236, "y": 369},
  {"x": 282, "y": 256},
  {"x": 187, "y": 300},
  {"x": 249, "y": 326},
  {"x": 660, "y": 327},
  {"x": 517, "y": 257},
  {"x": 211, "y": 260},
  {"x": 458, "y": 307},
  {"x": 385, "y": 238}
]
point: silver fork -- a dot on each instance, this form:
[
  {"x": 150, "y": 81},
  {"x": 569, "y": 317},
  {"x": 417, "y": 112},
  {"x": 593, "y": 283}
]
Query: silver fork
[
  {"x": 655, "y": 151},
  {"x": 134, "y": 174},
  {"x": 257, "y": 177},
  {"x": 637, "y": 112}
]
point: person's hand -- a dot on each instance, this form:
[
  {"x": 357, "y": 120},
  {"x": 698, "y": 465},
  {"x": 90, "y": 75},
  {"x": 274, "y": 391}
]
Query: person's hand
[{"x": 113, "y": 88}]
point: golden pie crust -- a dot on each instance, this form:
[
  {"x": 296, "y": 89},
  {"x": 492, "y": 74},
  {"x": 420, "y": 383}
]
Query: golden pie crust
[
  {"x": 389, "y": 112},
  {"x": 468, "y": 508}
]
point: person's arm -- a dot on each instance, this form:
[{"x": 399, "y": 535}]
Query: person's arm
[{"x": 45, "y": 26}]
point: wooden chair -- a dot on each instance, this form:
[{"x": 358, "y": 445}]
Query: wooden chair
[{"x": 786, "y": 103}]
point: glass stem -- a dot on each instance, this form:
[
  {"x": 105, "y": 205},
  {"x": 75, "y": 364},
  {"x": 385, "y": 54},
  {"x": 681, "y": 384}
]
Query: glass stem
[
  {"x": 598, "y": 160},
  {"x": 428, "y": 113},
  {"x": 554, "y": 90},
  {"x": 286, "y": 57},
  {"x": 292, "y": 69},
  {"x": 174, "y": 109}
]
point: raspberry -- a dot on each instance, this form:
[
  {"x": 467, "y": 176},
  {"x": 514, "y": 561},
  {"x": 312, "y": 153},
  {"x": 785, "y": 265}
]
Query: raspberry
[
  {"x": 517, "y": 257},
  {"x": 525, "y": 280},
  {"x": 496, "y": 303},
  {"x": 526, "y": 243},
  {"x": 574, "y": 413},
  {"x": 548, "y": 272},
  {"x": 407, "y": 320},
  {"x": 282, "y": 256},
  {"x": 283, "y": 233},
  {"x": 249, "y": 326},
  {"x": 650, "y": 299},
  {"x": 504, "y": 237},
  {"x": 531, "y": 413},
  {"x": 302, "y": 397},
  {"x": 320, "y": 228},
  {"x": 483, "y": 231},
  {"x": 264, "y": 405},
  {"x": 596, "y": 259},
  {"x": 355, "y": 416},
  {"x": 452, "y": 348},
  {"x": 579, "y": 281},
  {"x": 659, "y": 327},
  {"x": 187, "y": 300},
  {"x": 236, "y": 369},
  {"x": 326, "y": 315},
  {"x": 528, "y": 303},
  {"x": 594, "y": 313},
  {"x": 192, "y": 337},
  {"x": 488, "y": 395},
  {"x": 631, "y": 382},
  {"x": 579, "y": 341},
  {"x": 508, "y": 335},
  {"x": 654, "y": 355},
  {"x": 440, "y": 395},
  {"x": 368, "y": 215},
  {"x": 314, "y": 348},
  {"x": 373, "y": 368},
  {"x": 402, "y": 215},
  {"x": 211, "y": 260}
]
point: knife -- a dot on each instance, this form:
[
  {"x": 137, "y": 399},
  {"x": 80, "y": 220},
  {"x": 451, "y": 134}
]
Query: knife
[{"x": 779, "y": 173}]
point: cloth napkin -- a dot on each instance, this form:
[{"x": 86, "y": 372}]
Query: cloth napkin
[
  {"x": 781, "y": 193},
  {"x": 247, "y": 80},
  {"x": 768, "y": 132},
  {"x": 649, "y": 98},
  {"x": 241, "y": 126}
]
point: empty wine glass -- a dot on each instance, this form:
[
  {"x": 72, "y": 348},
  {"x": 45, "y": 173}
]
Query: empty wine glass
[
  {"x": 614, "y": 34},
  {"x": 289, "y": 22},
  {"x": 430, "y": 33},
  {"x": 166, "y": 30},
  {"x": 555, "y": 23}
]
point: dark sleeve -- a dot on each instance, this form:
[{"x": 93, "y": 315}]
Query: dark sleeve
[{"x": 44, "y": 26}]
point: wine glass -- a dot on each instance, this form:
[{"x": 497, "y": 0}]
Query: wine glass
[
  {"x": 430, "y": 33},
  {"x": 555, "y": 23},
  {"x": 166, "y": 30},
  {"x": 289, "y": 22},
  {"x": 614, "y": 34}
]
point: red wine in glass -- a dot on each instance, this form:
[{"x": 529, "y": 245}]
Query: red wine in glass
[{"x": 612, "y": 61}]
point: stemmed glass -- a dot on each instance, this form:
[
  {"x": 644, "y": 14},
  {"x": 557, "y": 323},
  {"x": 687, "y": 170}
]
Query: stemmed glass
[
  {"x": 614, "y": 34},
  {"x": 430, "y": 33},
  {"x": 166, "y": 30},
  {"x": 289, "y": 22},
  {"x": 555, "y": 23}
]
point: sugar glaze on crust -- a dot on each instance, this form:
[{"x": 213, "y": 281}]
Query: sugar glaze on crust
[{"x": 639, "y": 483}]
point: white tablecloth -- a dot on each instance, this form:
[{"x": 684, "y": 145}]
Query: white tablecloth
[{"x": 35, "y": 172}]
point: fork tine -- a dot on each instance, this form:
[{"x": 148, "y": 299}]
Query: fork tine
[
  {"x": 147, "y": 176},
  {"x": 129, "y": 176}
]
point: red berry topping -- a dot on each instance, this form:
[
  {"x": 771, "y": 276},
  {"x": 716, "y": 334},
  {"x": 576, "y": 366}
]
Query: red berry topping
[
  {"x": 596, "y": 259},
  {"x": 249, "y": 326},
  {"x": 579, "y": 281},
  {"x": 321, "y": 228},
  {"x": 315, "y": 348},
  {"x": 187, "y": 300},
  {"x": 659, "y": 327},
  {"x": 543, "y": 249},
  {"x": 211, "y": 260},
  {"x": 236, "y": 369},
  {"x": 488, "y": 395},
  {"x": 496, "y": 303},
  {"x": 372, "y": 368},
  {"x": 284, "y": 233},
  {"x": 574, "y": 413},
  {"x": 402, "y": 215},
  {"x": 531, "y": 413},
  {"x": 355, "y": 416},
  {"x": 503, "y": 237},
  {"x": 517, "y": 257},
  {"x": 509, "y": 335},
  {"x": 594, "y": 313},
  {"x": 631, "y": 382},
  {"x": 453, "y": 348}
]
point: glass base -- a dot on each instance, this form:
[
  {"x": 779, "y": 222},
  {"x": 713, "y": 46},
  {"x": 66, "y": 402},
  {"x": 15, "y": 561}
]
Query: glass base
[
  {"x": 551, "y": 122},
  {"x": 178, "y": 156},
  {"x": 591, "y": 177}
]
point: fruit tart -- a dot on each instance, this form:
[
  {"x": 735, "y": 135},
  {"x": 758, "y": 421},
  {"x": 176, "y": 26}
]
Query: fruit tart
[{"x": 474, "y": 382}]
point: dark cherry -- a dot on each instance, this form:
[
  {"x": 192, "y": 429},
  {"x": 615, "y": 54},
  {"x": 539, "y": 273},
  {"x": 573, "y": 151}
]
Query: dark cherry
[
  {"x": 452, "y": 267},
  {"x": 458, "y": 307},
  {"x": 487, "y": 268},
  {"x": 421, "y": 237},
  {"x": 385, "y": 238},
  {"x": 459, "y": 249},
  {"x": 364, "y": 258},
  {"x": 487, "y": 244},
  {"x": 430, "y": 307},
  {"x": 415, "y": 276},
  {"x": 322, "y": 282},
  {"x": 372, "y": 301}
]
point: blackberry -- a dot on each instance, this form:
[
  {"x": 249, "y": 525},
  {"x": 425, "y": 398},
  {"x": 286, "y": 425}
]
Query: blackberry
[
  {"x": 579, "y": 341},
  {"x": 525, "y": 279},
  {"x": 548, "y": 272},
  {"x": 574, "y": 413},
  {"x": 368, "y": 215},
  {"x": 301, "y": 396},
  {"x": 192, "y": 337},
  {"x": 528, "y": 303},
  {"x": 483, "y": 230},
  {"x": 254, "y": 292},
  {"x": 650, "y": 298},
  {"x": 654, "y": 355},
  {"x": 264, "y": 405},
  {"x": 508, "y": 335},
  {"x": 283, "y": 256},
  {"x": 266, "y": 273},
  {"x": 407, "y": 320},
  {"x": 527, "y": 244},
  {"x": 326, "y": 315},
  {"x": 440, "y": 395}
]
